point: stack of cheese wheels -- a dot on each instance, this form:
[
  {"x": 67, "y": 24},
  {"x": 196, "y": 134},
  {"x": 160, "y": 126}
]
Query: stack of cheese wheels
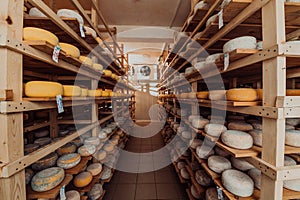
[
  {"x": 244, "y": 42},
  {"x": 237, "y": 139},
  {"x": 241, "y": 164},
  {"x": 43, "y": 141},
  {"x": 35, "y": 12},
  {"x": 203, "y": 178},
  {"x": 241, "y": 94},
  {"x": 199, "y": 122},
  {"x": 68, "y": 161},
  {"x": 47, "y": 179},
  {"x": 28, "y": 175},
  {"x": 291, "y": 184},
  {"x": 292, "y": 138},
  {"x": 218, "y": 164},
  {"x": 95, "y": 192},
  {"x": 202, "y": 95},
  {"x": 217, "y": 95},
  {"x": 257, "y": 136},
  {"x": 237, "y": 183},
  {"x": 92, "y": 141},
  {"x": 83, "y": 179},
  {"x": 67, "y": 148},
  {"x": 86, "y": 150},
  {"x": 86, "y": 61},
  {"x": 84, "y": 92},
  {"x": 255, "y": 174},
  {"x": 71, "y": 91},
  {"x": 94, "y": 93},
  {"x": 214, "y": 130},
  {"x": 240, "y": 126},
  {"x": 211, "y": 194},
  {"x": 195, "y": 192},
  {"x": 107, "y": 73},
  {"x": 46, "y": 162},
  {"x": 66, "y": 13},
  {"x": 94, "y": 168},
  {"x": 184, "y": 173},
  {"x": 43, "y": 89},
  {"x": 34, "y": 34},
  {"x": 70, "y": 49}
]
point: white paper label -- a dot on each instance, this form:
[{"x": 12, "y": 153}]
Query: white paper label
[
  {"x": 226, "y": 61},
  {"x": 220, "y": 193},
  {"x": 60, "y": 105},
  {"x": 81, "y": 31},
  {"x": 62, "y": 193},
  {"x": 55, "y": 54},
  {"x": 221, "y": 23}
]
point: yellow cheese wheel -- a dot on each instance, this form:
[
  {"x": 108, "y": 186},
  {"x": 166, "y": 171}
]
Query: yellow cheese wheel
[
  {"x": 94, "y": 93},
  {"x": 259, "y": 94},
  {"x": 99, "y": 40},
  {"x": 67, "y": 148},
  {"x": 192, "y": 95},
  {"x": 43, "y": 89},
  {"x": 113, "y": 76},
  {"x": 105, "y": 94},
  {"x": 97, "y": 66},
  {"x": 33, "y": 34},
  {"x": 83, "y": 179},
  {"x": 71, "y": 91},
  {"x": 86, "y": 61},
  {"x": 70, "y": 49},
  {"x": 107, "y": 73},
  {"x": 293, "y": 92},
  {"x": 84, "y": 92},
  {"x": 241, "y": 94},
  {"x": 202, "y": 95}
]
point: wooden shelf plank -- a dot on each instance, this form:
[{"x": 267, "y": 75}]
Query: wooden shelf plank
[
  {"x": 36, "y": 126},
  {"x": 78, "y": 168},
  {"x": 288, "y": 149},
  {"x": 51, "y": 194}
]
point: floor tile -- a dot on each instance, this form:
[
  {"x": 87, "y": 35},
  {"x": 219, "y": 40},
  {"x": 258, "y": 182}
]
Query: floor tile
[
  {"x": 167, "y": 191},
  {"x": 146, "y": 178},
  {"x": 127, "y": 178},
  {"x": 146, "y": 191},
  {"x": 125, "y": 192}
]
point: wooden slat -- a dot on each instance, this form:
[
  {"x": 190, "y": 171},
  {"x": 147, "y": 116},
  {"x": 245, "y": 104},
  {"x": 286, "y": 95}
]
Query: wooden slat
[
  {"x": 6, "y": 95},
  {"x": 36, "y": 126}
]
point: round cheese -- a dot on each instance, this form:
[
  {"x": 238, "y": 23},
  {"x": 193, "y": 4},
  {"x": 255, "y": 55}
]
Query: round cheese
[
  {"x": 68, "y": 161},
  {"x": 292, "y": 138},
  {"x": 108, "y": 147},
  {"x": 221, "y": 152},
  {"x": 211, "y": 194},
  {"x": 86, "y": 150},
  {"x": 97, "y": 67},
  {"x": 28, "y": 175},
  {"x": 259, "y": 45},
  {"x": 237, "y": 139},
  {"x": 41, "y": 133},
  {"x": 29, "y": 148},
  {"x": 255, "y": 174},
  {"x": 244, "y": 42},
  {"x": 72, "y": 195},
  {"x": 106, "y": 174},
  {"x": 217, "y": 95},
  {"x": 202, "y": 95},
  {"x": 66, "y": 13},
  {"x": 257, "y": 137},
  {"x": 34, "y": 34},
  {"x": 92, "y": 141},
  {"x": 241, "y": 94},
  {"x": 199, "y": 123},
  {"x": 259, "y": 94},
  {"x": 71, "y": 91},
  {"x": 43, "y": 141},
  {"x": 67, "y": 148},
  {"x": 46, "y": 162},
  {"x": 95, "y": 192},
  {"x": 213, "y": 58},
  {"x": 77, "y": 142},
  {"x": 43, "y": 89},
  {"x": 214, "y": 130},
  {"x": 189, "y": 70},
  {"x": 35, "y": 12},
  {"x": 195, "y": 143},
  {"x": 90, "y": 31},
  {"x": 84, "y": 92},
  {"x": 241, "y": 164},
  {"x": 203, "y": 178},
  {"x": 218, "y": 164},
  {"x": 240, "y": 126},
  {"x": 47, "y": 179},
  {"x": 204, "y": 152},
  {"x": 181, "y": 165},
  {"x": 83, "y": 179},
  {"x": 293, "y": 92},
  {"x": 86, "y": 61},
  {"x": 292, "y": 121},
  {"x": 94, "y": 93},
  {"x": 184, "y": 174},
  {"x": 192, "y": 95},
  {"x": 237, "y": 183},
  {"x": 70, "y": 49},
  {"x": 187, "y": 135},
  {"x": 195, "y": 166},
  {"x": 257, "y": 125},
  {"x": 195, "y": 193},
  {"x": 291, "y": 184},
  {"x": 107, "y": 73},
  {"x": 289, "y": 127},
  {"x": 100, "y": 155},
  {"x": 105, "y": 94},
  {"x": 94, "y": 169}
]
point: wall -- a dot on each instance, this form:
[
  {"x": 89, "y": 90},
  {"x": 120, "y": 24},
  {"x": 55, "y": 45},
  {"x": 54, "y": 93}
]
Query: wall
[{"x": 144, "y": 101}]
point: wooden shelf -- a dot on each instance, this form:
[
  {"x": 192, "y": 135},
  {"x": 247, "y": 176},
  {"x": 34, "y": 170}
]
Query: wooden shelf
[
  {"x": 36, "y": 125},
  {"x": 198, "y": 187},
  {"x": 78, "y": 168},
  {"x": 51, "y": 194}
]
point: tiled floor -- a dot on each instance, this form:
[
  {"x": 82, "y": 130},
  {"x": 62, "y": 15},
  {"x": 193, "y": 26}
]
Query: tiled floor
[{"x": 161, "y": 184}]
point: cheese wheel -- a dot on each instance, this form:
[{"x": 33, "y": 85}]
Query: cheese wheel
[
  {"x": 199, "y": 123},
  {"x": 189, "y": 70},
  {"x": 217, "y": 95},
  {"x": 288, "y": 161},
  {"x": 114, "y": 141},
  {"x": 213, "y": 58},
  {"x": 195, "y": 142},
  {"x": 105, "y": 94},
  {"x": 90, "y": 31},
  {"x": 46, "y": 162},
  {"x": 221, "y": 152},
  {"x": 94, "y": 169},
  {"x": 211, "y": 194},
  {"x": 34, "y": 34},
  {"x": 241, "y": 94},
  {"x": 218, "y": 164},
  {"x": 66, "y": 149},
  {"x": 184, "y": 174},
  {"x": 29, "y": 148},
  {"x": 68, "y": 161},
  {"x": 41, "y": 133},
  {"x": 47, "y": 179},
  {"x": 259, "y": 94},
  {"x": 195, "y": 193},
  {"x": 97, "y": 67},
  {"x": 255, "y": 174},
  {"x": 192, "y": 95},
  {"x": 292, "y": 121},
  {"x": 35, "y": 12},
  {"x": 292, "y": 138},
  {"x": 257, "y": 137},
  {"x": 83, "y": 179},
  {"x": 195, "y": 166},
  {"x": 237, "y": 139},
  {"x": 86, "y": 61},
  {"x": 202, "y": 95},
  {"x": 43, "y": 141},
  {"x": 212, "y": 19},
  {"x": 241, "y": 164},
  {"x": 70, "y": 49},
  {"x": 204, "y": 152},
  {"x": 244, "y": 42},
  {"x": 107, "y": 73},
  {"x": 95, "y": 192},
  {"x": 100, "y": 155},
  {"x": 191, "y": 117},
  {"x": 71, "y": 91},
  {"x": 203, "y": 178},
  {"x": 237, "y": 183},
  {"x": 86, "y": 150},
  {"x": 43, "y": 89},
  {"x": 77, "y": 142},
  {"x": 28, "y": 175},
  {"x": 70, "y": 14},
  {"x": 293, "y": 92},
  {"x": 214, "y": 130},
  {"x": 84, "y": 92},
  {"x": 240, "y": 126},
  {"x": 291, "y": 184},
  {"x": 92, "y": 141},
  {"x": 72, "y": 195},
  {"x": 106, "y": 174},
  {"x": 257, "y": 125},
  {"x": 108, "y": 147},
  {"x": 181, "y": 165},
  {"x": 94, "y": 93}
]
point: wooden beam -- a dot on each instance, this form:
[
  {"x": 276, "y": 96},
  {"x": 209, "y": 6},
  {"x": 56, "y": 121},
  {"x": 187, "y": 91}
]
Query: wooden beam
[
  {"x": 293, "y": 35},
  {"x": 6, "y": 95}
]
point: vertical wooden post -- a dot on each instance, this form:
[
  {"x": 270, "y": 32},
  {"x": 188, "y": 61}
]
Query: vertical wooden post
[
  {"x": 53, "y": 123},
  {"x": 194, "y": 107},
  {"x": 11, "y": 137},
  {"x": 274, "y": 83},
  {"x": 94, "y": 110}
]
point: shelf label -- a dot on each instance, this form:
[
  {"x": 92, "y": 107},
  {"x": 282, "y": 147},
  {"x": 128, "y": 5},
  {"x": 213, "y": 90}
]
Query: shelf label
[
  {"x": 221, "y": 23},
  {"x": 226, "y": 61},
  {"x": 62, "y": 193},
  {"x": 81, "y": 31},
  {"x": 60, "y": 105},
  {"x": 220, "y": 193},
  {"x": 56, "y": 53}
]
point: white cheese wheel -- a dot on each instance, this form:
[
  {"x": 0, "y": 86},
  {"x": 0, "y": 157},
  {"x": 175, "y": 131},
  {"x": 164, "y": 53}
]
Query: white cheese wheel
[
  {"x": 187, "y": 135},
  {"x": 237, "y": 139},
  {"x": 100, "y": 155},
  {"x": 204, "y": 152},
  {"x": 83, "y": 179},
  {"x": 221, "y": 152},
  {"x": 259, "y": 45},
  {"x": 34, "y": 34},
  {"x": 43, "y": 141},
  {"x": 68, "y": 161},
  {"x": 241, "y": 164},
  {"x": 291, "y": 184},
  {"x": 240, "y": 126},
  {"x": 94, "y": 168},
  {"x": 293, "y": 121},
  {"x": 213, "y": 58},
  {"x": 86, "y": 61},
  {"x": 195, "y": 142},
  {"x": 90, "y": 31},
  {"x": 70, "y": 14},
  {"x": 244, "y": 42},
  {"x": 92, "y": 141},
  {"x": 71, "y": 91},
  {"x": 217, "y": 95},
  {"x": 292, "y": 138},
  {"x": 257, "y": 137},
  {"x": 255, "y": 174},
  {"x": 184, "y": 174},
  {"x": 108, "y": 147},
  {"x": 47, "y": 179},
  {"x": 46, "y": 162},
  {"x": 86, "y": 150},
  {"x": 72, "y": 195},
  {"x": 241, "y": 94},
  {"x": 195, "y": 193},
  {"x": 43, "y": 89},
  {"x": 288, "y": 161},
  {"x": 35, "y": 12},
  {"x": 70, "y": 49},
  {"x": 189, "y": 70},
  {"x": 95, "y": 192},
  {"x": 42, "y": 133},
  {"x": 212, "y": 19},
  {"x": 199, "y": 123},
  {"x": 203, "y": 178},
  {"x": 214, "y": 129},
  {"x": 211, "y": 194},
  {"x": 106, "y": 174},
  {"x": 218, "y": 164}
]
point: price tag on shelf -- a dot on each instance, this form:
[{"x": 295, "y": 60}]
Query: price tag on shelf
[
  {"x": 55, "y": 54},
  {"x": 62, "y": 193},
  {"x": 220, "y": 193},
  {"x": 221, "y": 22},
  {"x": 81, "y": 31},
  {"x": 226, "y": 61},
  {"x": 60, "y": 105}
]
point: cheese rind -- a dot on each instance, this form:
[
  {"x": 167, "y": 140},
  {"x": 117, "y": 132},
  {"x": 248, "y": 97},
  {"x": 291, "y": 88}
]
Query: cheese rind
[
  {"x": 94, "y": 168},
  {"x": 90, "y": 31},
  {"x": 202, "y": 95},
  {"x": 68, "y": 161},
  {"x": 257, "y": 137},
  {"x": 237, "y": 139},
  {"x": 70, "y": 49},
  {"x": 218, "y": 164},
  {"x": 94, "y": 93},
  {"x": 241, "y": 164},
  {"x": 217, "y": 95},
  {"x": 107, "y": 73},
  {"x": 241, "y": 94},
  {"x": 43, "y": 89},
  {"x": 203, "y": 178},
  {"x": 67, "y": 13},
  {"x": 46, "y": 162},
  {"x": 240, "y": 126},
  {"x": 86, "y": 150},
  {"x": 35, "y": 12},
  {"x": 214, "y": 130},
  {"x": 71, "y": 91},
  {"x": 292, "y": 138},
  {"x": 86, "y": 61},
  {"x": 244, "y": 42},
  {"x": 67, "y": 148},
  {"x": 34, "y": 34},
  {"x": 83, "y": 179},
  {"x": 255, "y": 174}
]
